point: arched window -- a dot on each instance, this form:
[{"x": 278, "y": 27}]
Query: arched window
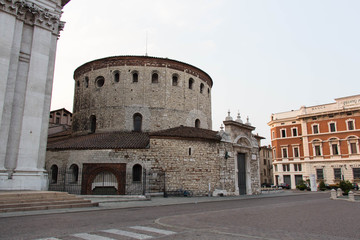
[
  {"x": 86, "y": 82},
  {"x": 191, "y": 83},
  {"x": 116, "y": 76},
  {"x": 137, "y": 122},
  {"x": 92, "y": 123},
  {"x": 54, "y": 173},
  {"x": 175, "y": 78},
  {"x": 197, "y": 123},
  {"x": 155, "y": 78},
  {"x": 137, "y": 173},
  {"x": 135, "y": 77},
  {"x": 201, "y": 88},
  {"x": 74, "y": 171},
  {"x": 99, "y": 81}
]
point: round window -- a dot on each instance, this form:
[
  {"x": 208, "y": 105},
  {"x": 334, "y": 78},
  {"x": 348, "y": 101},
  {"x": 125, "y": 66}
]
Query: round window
[{"x": 100, "y": 81}]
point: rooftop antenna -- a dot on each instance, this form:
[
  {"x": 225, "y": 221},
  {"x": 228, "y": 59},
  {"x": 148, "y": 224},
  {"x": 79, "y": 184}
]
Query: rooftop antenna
[{"x": 146, "y": 53}]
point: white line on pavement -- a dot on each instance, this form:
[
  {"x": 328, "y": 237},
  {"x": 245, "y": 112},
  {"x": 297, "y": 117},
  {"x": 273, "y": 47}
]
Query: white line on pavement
[
  {"x": 87, "y": 236},
  {"x": 155, "y": 230},
  {"x": 127, "y": 234},
  {"x": 51, "y": 238}
]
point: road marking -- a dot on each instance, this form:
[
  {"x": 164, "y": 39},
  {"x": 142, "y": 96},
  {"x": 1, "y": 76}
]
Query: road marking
[
  {"x": 51, "y": 238},
  {"x": 87, "y": 236},
  {"x": 127, "y": 234},
  {"x": 155, "y": 230}
]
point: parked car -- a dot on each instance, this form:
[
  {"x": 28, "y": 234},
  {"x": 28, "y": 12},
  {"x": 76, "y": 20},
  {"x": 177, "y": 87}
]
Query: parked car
[
  {"x": 355, "y": 186},
  {"x": 284, "y": 185},
  {"x": 266, "y": 185}
]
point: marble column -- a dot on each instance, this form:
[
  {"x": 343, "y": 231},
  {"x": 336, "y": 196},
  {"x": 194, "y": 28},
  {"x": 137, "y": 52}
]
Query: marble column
[{"x": 29, "y": 30}]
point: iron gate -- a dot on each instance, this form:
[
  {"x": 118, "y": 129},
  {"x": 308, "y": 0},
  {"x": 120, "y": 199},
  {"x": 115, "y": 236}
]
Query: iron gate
[{"x": 70, "y": 180}]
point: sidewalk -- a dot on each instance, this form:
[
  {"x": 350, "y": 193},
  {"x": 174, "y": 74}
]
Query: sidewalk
[{"x": 119, "y": 202}]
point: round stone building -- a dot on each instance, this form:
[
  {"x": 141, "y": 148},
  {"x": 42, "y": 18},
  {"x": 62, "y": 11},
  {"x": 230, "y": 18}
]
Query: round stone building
[
  {"x": 142, "y": 125},
  {"x": 140, "y": 93}
]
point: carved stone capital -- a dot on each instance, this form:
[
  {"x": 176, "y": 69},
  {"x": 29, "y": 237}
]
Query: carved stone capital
[{"x": 33, "y": 14}]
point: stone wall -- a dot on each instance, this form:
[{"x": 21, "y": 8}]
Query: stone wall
[
  {"x": 193, "y": 165},
  {"x": 161, "y": 104},
  {"x": 194, "y": 170}
]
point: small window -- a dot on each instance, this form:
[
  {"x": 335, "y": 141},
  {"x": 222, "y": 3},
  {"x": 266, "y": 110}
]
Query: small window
[
  {"x": 190, "y": 151},
  {"x": 57, "y": 120},
  {"x": 353, "y": 148},
  {"x": 74, "y": 173},
  {"x": 274, "y": 152},
  {"x": 332, "y": 127},
  {"x": 297, "y": 168},
  {"x": 337, "y": 173},
  {"x": 283, "y": 133},
  {"x": 356, "y": 173},
  {"x": 137, "y": 173},
  {"x": 99, "y": 81},
  {"x": 335, "y": 150},
  {"x": 264, "y": 161},
  {"x": 50, "y": 116},
  {"x": 135, "y": 77},
  {"x": 92, "y": 123},
  {"x": 296, "y": 152},
  {"x": 208, "y": 91},
  {"x": 137, "y": 118},
  {"x": 175, "y": 79},
  {"x": 350, "y": 125},
  {"x": 284, "y": 153},
  {"x": 54, "y": 173},
  {"x": 317, "y": 150},
  {"x": 155, "y": 78},
  {"x": 191, "y": 83},
  {"x": 116, "y": 77},
  {"x": 78, "y": 83},
  {"x": 264, "y": 172},
  {"x": 286, "y": 167},
  {"x": 294, "y": 132},
  {"x": 201, "y": 88},
  {"x": 273, "y": 134},
  {"x": 315, "y": 129},
  {"x": 320, "y": 173},
  {"x": 86, "y": 82},
  {"x": 197, "y": 123}
]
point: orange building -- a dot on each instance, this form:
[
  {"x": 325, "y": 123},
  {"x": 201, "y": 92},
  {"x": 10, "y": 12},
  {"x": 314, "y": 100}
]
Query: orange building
[{"x": 320, "y": 140}]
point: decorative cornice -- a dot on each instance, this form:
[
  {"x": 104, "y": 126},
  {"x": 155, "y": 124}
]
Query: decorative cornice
[
  {"x": 33, "y": 14},
  {"x": 142, "y": 61}
]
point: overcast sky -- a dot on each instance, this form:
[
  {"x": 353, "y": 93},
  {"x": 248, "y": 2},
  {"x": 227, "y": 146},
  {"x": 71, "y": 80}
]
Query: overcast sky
[{"x": 264, "y": 56}]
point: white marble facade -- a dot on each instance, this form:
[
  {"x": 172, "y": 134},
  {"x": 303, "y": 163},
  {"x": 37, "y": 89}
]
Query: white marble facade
[{"x": 29, "y": 30}]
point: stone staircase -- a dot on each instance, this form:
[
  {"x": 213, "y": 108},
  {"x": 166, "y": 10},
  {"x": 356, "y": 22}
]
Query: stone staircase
[{"x": 14, "y": 201}]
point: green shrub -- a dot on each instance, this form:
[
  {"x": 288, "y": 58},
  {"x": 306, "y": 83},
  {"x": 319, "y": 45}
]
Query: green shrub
[
  {"x": 322, "y": 186},
  {"x": 346, "y": 186},
  {"x": 301, "y": 185}
]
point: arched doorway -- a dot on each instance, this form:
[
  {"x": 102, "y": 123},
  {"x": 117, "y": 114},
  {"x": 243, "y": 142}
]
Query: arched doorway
[
  {"x": 105, "y": 183},
  {"x": 103, "y": 179}
]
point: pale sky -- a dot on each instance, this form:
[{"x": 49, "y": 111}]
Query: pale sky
[{"x": 264, "y": 56}]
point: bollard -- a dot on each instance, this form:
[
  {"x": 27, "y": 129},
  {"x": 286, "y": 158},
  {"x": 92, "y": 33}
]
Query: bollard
[
  {"x": 351, "y": 196},
  {"x": 339, "y": 192},
  {"x": 333, "y": 194}
]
